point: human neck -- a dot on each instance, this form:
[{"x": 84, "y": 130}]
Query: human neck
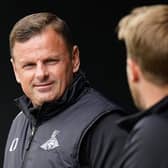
[{"x": 152, "y": 93}]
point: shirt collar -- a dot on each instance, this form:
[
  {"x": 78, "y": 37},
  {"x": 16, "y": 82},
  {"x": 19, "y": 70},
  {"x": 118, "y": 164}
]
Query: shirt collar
[{"x": 128, "y": 122}]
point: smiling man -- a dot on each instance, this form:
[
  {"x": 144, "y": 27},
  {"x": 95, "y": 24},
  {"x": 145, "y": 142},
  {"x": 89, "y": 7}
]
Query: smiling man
[
  {"x": 43, "y": 66},
  {"x": 63, "y": 122}
]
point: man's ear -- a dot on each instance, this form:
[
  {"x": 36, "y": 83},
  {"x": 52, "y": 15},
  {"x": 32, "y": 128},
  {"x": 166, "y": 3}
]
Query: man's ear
[
  {"x": 133, "y": 70},
  {"x": 75, "y": 59},
  {"x": 15, "y": 70}
]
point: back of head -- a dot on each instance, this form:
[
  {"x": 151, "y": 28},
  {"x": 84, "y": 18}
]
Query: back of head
[
  {"x": 34, "y": 24},
  {"x": 145, "y": 33}
]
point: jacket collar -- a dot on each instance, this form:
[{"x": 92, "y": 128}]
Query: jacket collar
[
  {"x": 159, "y": 108},
  {"x": 77, "y": 88}
]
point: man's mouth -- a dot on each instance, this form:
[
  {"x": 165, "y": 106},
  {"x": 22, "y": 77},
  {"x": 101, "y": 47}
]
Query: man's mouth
[{"x": 43, "y": 87}]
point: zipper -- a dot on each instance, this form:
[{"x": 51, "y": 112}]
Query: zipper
[
  {"x": 31, "y": 137},
  {"x": 33, "y": 131}
]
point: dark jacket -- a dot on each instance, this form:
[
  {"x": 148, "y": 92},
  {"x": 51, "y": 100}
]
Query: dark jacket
[
  {"x": 147, "y": 143},
  {"x": 52, "y": 136}
]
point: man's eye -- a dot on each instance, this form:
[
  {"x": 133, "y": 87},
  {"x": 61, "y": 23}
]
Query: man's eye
[
  {"x": 52, "y": 61},
  {"x": 28, "y": 66}
]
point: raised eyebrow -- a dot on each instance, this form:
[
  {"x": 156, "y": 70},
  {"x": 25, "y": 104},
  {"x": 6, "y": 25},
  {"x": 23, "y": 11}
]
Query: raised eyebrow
[
  {"x": 27, "y": 62},
  {"x": 51, "y": 58}
]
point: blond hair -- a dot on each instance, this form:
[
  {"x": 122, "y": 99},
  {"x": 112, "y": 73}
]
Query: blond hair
[{"x": 145, "y": 33}]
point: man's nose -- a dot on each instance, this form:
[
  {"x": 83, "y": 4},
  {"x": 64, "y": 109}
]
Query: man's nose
[{"x": 41, "y": 71}]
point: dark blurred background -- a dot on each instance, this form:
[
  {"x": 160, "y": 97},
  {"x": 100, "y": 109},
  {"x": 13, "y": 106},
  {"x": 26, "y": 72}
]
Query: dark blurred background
[{"x": 93, "y": 24}]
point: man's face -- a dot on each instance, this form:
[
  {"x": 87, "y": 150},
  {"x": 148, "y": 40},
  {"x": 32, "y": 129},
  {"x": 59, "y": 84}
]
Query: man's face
[{"x": 44, "y": 67}]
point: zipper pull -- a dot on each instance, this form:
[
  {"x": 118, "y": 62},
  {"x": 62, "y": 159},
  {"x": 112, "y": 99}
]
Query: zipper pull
[{"x": 33, "y": 130}]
